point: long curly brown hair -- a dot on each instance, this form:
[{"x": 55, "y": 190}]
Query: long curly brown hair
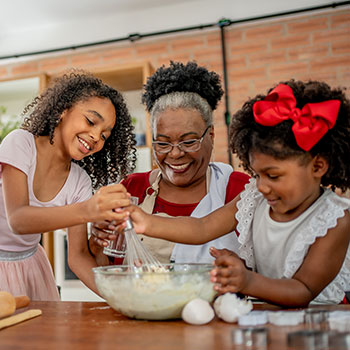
[
  {"x": 118, "y": 156},
  {"x": 278, "y": 141}
]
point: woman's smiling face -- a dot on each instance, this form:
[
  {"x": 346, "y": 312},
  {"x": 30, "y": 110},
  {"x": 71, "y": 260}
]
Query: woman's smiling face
[{"x": 178, "y": 167}]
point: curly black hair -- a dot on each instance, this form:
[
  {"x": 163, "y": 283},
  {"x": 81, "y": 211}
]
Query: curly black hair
[
  {"x": 118, "y": 156},
  {"x": 179, "y": 77},
  {"x": 278, "y": 141}
]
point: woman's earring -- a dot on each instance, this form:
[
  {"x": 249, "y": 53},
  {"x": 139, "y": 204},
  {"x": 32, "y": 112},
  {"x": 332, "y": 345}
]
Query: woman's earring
[
  {"x": 212, "y": 157},
  {"x": 154, "y": 163}
]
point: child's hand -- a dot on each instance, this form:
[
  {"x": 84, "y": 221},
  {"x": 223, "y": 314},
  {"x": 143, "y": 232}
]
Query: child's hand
[
  {"x": 141, "y": 221},
  {"x": 229, "y": 274},
  {"x": 106, "y": 202},
  {"x": 219, "y": 252}
]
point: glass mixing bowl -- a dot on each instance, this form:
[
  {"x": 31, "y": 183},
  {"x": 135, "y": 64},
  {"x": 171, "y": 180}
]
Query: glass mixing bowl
[{"x": 154, "y": 295}]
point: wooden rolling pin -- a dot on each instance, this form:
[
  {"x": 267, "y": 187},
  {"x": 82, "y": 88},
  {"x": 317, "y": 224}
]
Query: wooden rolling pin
[
  {"x": 23, "y": 316},
  {"x": 9, "y": 303}
]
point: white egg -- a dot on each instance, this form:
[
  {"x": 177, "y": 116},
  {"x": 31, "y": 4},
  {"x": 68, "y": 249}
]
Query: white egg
[
  {"x": 197, "y": 311},
  {"x": 229, "y": 307}
]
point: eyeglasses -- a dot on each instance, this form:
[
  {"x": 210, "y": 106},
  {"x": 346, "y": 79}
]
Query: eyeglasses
[{"x": 192, "y": 145}]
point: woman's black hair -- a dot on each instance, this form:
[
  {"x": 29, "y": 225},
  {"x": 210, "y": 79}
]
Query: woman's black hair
[
  {"x": 179, "y": 77},
  {"x": 118, "y": 156},
  {"x": 246, "y": 135}
]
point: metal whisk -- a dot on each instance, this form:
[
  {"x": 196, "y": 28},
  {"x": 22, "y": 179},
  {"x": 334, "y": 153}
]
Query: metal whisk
[{"x": 137, "y": 254}]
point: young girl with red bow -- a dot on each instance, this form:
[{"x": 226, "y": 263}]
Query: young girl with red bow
[{"x": 294, "y": 230}]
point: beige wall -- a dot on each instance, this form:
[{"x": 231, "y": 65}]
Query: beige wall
[{"x": 259, "y": 55}]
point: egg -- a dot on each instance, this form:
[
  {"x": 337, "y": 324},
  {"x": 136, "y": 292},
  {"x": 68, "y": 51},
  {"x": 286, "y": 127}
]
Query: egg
[
  {"x": 229, "y": 307},
  {"x": 197, "y": 311}
]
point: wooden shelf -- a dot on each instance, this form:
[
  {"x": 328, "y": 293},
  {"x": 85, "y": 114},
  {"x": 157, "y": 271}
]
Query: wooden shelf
[{"x": 127, "y": 78}]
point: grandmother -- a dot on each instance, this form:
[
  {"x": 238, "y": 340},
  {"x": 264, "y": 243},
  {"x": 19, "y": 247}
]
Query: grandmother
[{"x": 181, "y": 99}]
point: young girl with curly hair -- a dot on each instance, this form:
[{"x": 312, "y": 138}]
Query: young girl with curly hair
[
  {"x": 76, "y": 136},
  {"x": 294, "y": 230}
]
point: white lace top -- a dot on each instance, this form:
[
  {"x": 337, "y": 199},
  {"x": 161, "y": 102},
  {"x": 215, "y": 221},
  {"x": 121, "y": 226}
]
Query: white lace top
[{"x": 301, "y": 233}]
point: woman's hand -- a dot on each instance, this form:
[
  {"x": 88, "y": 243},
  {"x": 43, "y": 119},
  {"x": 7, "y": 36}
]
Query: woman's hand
[
  {"x": 103, "y": 231},
  {"x": 229, "y": 274},
  {"x": 96, "y": 251}
]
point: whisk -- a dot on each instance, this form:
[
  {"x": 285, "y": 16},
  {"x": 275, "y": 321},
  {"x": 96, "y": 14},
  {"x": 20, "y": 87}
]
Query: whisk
[{"x": 137, "y": 255}]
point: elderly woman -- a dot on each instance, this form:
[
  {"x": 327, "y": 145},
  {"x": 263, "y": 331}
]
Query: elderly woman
[{"x": 181, "y": 99}]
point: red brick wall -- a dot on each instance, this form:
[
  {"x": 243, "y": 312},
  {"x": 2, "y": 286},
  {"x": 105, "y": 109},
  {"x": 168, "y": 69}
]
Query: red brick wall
[{"x": 259, "y": 55}]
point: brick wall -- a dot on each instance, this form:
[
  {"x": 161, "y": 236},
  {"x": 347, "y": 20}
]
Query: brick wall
[{"x": 259, "y": 55}]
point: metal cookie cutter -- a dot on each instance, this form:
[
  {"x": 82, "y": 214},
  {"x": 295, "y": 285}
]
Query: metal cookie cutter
[
  {"x": 253, "y": 318},
  {"x": 308, "y": 340},
  {"x": 339, "y": 321},
  {"x": 286, "y": 318},
  {"x": 339, "y": 340},
  {"x": 256, "y": 338},
  {"x": 316, "y": 318}
]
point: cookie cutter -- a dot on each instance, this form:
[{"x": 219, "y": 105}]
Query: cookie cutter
[
  {"x": 316, "y": 318},
  {"x": 253, "y": 318},
  {"x": 308, "y": 339},
  {"x": 339, "y": 340},
  {"x": 339, "y": 321},
  {"x": 286, "y": 318},
  {"x": 256, "y": 338}
]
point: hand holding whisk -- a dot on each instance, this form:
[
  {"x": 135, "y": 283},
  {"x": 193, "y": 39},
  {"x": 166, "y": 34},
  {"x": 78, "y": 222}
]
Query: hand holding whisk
[{"x": 137, "y": 255}]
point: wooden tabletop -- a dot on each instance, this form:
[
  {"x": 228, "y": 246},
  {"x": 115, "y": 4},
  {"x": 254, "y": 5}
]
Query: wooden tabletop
[{"x": 94, "y": 325}]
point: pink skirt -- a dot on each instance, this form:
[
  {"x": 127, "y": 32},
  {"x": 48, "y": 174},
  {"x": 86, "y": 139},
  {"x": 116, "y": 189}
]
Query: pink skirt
[{"x": 30, "y": 276}]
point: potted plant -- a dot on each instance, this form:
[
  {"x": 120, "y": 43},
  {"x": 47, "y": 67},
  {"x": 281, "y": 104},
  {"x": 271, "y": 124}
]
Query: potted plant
[{"x": 6, "y": 126}]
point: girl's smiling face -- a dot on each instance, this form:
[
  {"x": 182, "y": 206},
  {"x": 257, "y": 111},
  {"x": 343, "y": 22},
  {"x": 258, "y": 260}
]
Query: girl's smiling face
[
  {"x": 291, "y": 185},
  {"x": 181, "y": 168},
  {"x": 85, "y": 127}
]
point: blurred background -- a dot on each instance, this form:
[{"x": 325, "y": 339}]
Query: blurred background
[{"x": 251, "y": 44}]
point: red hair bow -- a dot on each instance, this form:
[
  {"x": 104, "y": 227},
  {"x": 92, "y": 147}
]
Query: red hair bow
[{"x": 310, "y": 123}]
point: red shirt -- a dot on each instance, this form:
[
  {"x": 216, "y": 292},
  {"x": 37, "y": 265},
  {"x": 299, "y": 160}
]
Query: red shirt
[{"x": 137, "y": 183}]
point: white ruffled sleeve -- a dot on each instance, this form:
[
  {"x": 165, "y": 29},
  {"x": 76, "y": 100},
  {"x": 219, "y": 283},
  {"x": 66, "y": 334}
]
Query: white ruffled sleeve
[{"x": 246, "y": 206}]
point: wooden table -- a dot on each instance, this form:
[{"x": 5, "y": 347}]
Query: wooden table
[{"x": 94, "y": 325}]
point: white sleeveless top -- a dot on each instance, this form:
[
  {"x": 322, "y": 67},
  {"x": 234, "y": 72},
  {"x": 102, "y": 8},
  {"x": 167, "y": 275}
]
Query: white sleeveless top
[{"x": 277, "y": 249}]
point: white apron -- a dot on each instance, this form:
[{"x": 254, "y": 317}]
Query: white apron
[{"x": 217, "y": 178}]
